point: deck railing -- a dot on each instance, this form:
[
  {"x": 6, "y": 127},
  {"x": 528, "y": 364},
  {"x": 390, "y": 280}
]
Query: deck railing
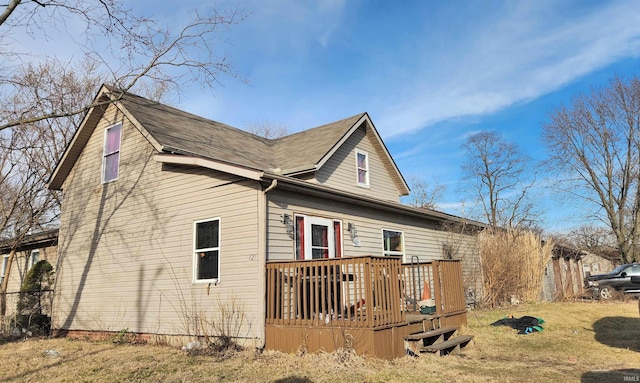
[
  {"x": 351, "y": 292},
  {"x": 364, "y": 291},
  {"x": 444, "y": 285}
]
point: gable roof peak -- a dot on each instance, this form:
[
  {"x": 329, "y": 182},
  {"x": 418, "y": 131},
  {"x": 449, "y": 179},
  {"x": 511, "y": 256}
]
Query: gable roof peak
[
  {"x": 172, "y": 130},
  {"x": 341, "y": 122}
]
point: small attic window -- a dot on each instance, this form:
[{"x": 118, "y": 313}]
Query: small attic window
[
  {"x": 111, "y": 153},
  {"x": 362, "y": 168}
]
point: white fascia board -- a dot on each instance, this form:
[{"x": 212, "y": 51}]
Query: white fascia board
[
  {"x": 177, "y": 159},
  {"x": 344, "y": 138}
]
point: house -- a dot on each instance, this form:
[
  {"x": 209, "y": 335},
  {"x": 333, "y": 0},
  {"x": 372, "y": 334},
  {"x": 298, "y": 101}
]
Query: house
[
  {"x": 600, "y": 261},
  {"x": 172, "y": 224},
  {"x": 33, "y": 248}
]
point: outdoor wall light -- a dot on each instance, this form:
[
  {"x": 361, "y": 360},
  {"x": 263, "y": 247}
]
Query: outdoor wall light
[
  {"x": 288, "y": 223},
  {"x": 351, "y": 228}
]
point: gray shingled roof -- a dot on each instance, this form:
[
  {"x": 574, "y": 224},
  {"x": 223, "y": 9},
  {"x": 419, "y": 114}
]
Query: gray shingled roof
[
  {"x": 179, "y": 131},
  {"x": 307, "y": 148}
]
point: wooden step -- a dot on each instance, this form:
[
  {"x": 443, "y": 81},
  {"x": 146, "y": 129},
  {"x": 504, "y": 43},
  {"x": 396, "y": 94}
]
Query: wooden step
[
  {"x": 430, "y": 334},
  {"x": 415, "y": 343},
  {"x": 451, "y": 346}
]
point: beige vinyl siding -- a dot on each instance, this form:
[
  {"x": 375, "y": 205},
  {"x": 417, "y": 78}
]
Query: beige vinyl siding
[
  {"x": 20, "y": 266},
  {"x": 421, "y": 237},
  {"x": 340, "y": 170},
  {"x": 19, "y": 270},
  {"x": 128, "y": 244}
]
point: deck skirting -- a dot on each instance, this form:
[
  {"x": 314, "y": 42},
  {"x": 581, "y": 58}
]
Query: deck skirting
[{"x": 385, "y": 342}]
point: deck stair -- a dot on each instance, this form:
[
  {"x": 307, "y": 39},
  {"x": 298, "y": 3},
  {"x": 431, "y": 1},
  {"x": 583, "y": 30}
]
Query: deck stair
[{"x": 442, "y": 340}]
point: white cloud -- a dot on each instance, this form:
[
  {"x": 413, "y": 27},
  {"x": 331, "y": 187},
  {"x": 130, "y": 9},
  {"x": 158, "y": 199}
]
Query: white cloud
[{"x": 518, "y": 57}]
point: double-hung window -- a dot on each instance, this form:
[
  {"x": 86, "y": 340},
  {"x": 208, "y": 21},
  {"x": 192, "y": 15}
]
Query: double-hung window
[
  {"x": 362, "y": 168},
  {"x": 392, "y": 243},
  {"x": 206, "y": 252},
  {"x": 111, "y": 153},
  {"x": 317, "y": 237}
]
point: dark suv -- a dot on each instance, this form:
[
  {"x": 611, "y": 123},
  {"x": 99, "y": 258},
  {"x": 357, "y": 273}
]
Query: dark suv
[{"x": 619, "y": 279}]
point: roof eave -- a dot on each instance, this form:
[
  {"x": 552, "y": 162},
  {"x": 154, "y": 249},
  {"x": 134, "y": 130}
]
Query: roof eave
[
  {"x": 72, "y": 151},
  {"x": 301, "y": 170},
  {"x": 198, "y": 161},
  {"x": 293, "y": 184},
  {"x": 33, "y": 241}
]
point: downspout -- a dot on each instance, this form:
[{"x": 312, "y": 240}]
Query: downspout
[
  {"x": 262, "y": 258},
  {"x": 274, "y": 184}
]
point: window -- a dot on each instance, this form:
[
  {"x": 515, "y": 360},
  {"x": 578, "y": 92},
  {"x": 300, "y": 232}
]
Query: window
[
  {"x": 633, "y": 270},
  {"x": 34, "y": 257},
  {"x": 392, "y": 243},
  {"x": 206, "y": 254},
  {"x": 317, "y": 238},
  {"x": 362, "y": 166},
  {"x": 3, "y": 269},
  {"x": 111, "y": 154}
]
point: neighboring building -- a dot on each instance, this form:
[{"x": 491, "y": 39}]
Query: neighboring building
[
  {"x": 167, "y": 216},
  {"x": 597, "y": 264},
  {"x": 34, "y": 248},
  {"x": 566, "y": 272},
  {"x": 563, "y": 276}
]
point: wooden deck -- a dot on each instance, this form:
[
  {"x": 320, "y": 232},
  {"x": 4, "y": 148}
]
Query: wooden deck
[{"x": 367, "y": 304}]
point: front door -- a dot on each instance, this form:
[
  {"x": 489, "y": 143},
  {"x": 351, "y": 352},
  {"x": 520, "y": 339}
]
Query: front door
[{"x": 320, "y": 238}]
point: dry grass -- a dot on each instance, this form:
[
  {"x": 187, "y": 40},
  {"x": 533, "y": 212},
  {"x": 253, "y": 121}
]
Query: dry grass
[
  {"x": 513, "y": 264},
  {"x": 590, "y": 341}
]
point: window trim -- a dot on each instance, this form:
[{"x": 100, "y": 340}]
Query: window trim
[
  {"x": 196, "y": 250},
  {"x": 393, "y": 253},
  {"x": 35, "y": 252},
  {"x": 366, "y": 168},
  {"x": 105, "y": 154},
  {"x": 3, "y": 266}
]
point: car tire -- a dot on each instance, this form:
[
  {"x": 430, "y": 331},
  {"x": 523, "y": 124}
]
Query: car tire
[{"x": 606, "y": 292}]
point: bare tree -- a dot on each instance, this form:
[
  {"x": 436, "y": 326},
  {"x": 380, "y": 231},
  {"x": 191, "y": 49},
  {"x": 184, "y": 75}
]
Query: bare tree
[
  {"x": 30, "y": 151},
  {"x": 135, "y": 51},
  {"x": 268, "y": 129},
  {"x": 424, "y": 193},
  {"x": 497, "y": 173},
  {"x": 24, "y": 202},
  {"x": 595, "y": 144},
  {"x": 43, "y": 103},
  {"x": 591, "y": 238}
]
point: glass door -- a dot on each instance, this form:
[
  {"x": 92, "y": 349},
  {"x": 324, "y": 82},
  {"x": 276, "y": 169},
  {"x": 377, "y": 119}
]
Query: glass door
[{"x": 320, "y": 238}]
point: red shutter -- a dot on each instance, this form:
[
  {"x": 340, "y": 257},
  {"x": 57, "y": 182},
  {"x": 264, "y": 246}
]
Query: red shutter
[
  {"x": 299, "y": 238},
  {"x": 337, "y": 232}
]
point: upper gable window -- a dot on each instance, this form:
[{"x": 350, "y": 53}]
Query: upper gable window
[
  {"x": 111, "y": 153},
  {"x": 362, "y": 166}
]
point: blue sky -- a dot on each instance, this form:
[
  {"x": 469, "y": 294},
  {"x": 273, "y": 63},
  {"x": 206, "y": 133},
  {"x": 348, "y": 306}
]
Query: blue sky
[{"x": 429, "y": 73}]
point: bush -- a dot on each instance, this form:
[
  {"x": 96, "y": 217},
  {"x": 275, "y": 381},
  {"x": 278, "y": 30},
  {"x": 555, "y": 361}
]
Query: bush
[{"x": 30, "y": 314}]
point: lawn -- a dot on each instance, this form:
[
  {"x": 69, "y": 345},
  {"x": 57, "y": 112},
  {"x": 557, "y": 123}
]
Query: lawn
[{"x": 582, "y": 341}]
